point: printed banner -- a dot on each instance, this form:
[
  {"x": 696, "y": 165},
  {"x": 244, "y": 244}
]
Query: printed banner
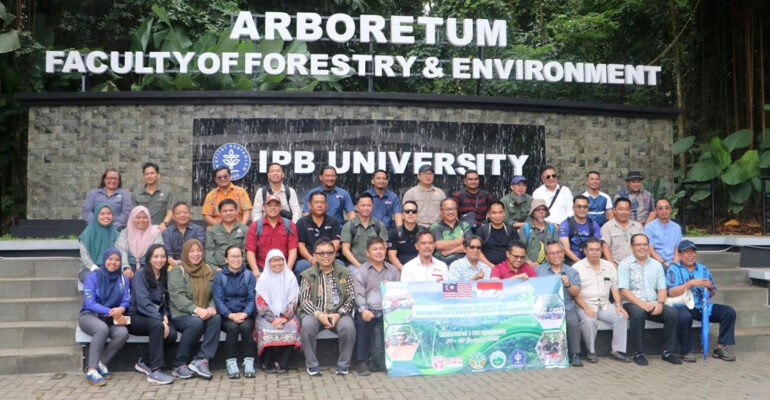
[{"x": 438, "y": 328}]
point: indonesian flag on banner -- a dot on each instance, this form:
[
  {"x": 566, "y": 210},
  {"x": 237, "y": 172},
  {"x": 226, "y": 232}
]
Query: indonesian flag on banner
[{"x": 489, "y": 289}]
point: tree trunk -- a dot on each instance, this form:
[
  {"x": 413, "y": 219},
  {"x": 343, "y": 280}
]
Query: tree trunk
[
  {"x": 762, "y": 72},
  {"x": 678, "y": 74},
  {"x": 736, "y": 112},
  {"x": 749, "y": 73}
]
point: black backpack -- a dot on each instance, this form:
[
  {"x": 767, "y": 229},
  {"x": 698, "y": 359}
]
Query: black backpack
[{"x": 573, "y": 232}]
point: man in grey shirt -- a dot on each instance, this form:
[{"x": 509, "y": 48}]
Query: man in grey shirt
[{"x": 370, "y": 351}]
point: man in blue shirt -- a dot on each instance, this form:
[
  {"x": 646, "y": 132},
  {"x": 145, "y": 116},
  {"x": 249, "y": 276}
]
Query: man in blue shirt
[
  {"x": 338, "y": 201},
  {"x": 576, "y": 229},
  {"x": 643, "y": 288},
  {"x": 664, "y": 234},
  {"x": 387, "y": 206},
  {"x": 599, "y": 203},
  {"x": 691, "y": 275},
  {"x": 570, "y": 280},
  {"x": 180, "y": 231}
]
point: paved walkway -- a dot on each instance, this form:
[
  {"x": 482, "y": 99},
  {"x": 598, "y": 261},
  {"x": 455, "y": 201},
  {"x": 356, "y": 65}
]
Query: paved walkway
[{"x": 748, "y": 378}]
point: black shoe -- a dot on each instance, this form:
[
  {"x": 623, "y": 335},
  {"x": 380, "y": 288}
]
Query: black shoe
[
  {"x": 721, "y": 352},
  {"x": 363, "y": 370},
  {"x": 280, "y": 370},
  {"x": 688, "y": 357},
  {"x": 591, "y": 357},
  {"x": 641, "y": 360},
  {"x": 576, "y": 361},
  {"x": 270, "y": 370},
  {"x": 672, "y": 358},
  {"x": 619, "y": 357}
]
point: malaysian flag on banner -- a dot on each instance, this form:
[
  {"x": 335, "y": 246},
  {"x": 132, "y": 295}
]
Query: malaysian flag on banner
[
  {"x": 489, "y": 289},
  {"x": 459, "y": 290}
]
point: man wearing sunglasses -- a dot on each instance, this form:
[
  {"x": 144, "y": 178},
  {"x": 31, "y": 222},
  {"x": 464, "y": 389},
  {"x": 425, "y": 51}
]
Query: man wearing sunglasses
[
  {"x": 470, "y": 267},
  {"x": 557, "y": 198},
  {"x": 574, "y": 231},
  {"x": 402, "y": 239},
  {"x": 225, "y": 190}
]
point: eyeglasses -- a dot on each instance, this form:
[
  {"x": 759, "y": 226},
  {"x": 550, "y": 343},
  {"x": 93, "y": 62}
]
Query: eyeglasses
[
  {"x": 553, "y": 176},
  {"x": 474, "y": 247},
  {"x": 220, "y": 177},
  {"x": 325, "y": 253},
  {"x": 414, "y": 211}
]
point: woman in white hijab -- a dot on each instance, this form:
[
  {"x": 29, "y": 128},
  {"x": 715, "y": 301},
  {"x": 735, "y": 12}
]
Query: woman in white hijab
[{"x": 277, "y": 330}]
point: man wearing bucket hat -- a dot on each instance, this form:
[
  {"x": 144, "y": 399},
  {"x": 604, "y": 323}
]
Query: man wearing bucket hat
[
  {"x": 642, "y": 201},
  {"x": 536, "y": 232},
  {"x": 689, "y": 274},
  {"x": 516, "y": 203}
]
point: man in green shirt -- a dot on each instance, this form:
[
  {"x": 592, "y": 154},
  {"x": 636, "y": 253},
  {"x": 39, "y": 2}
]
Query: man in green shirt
[
  {"x": 517, "y": 202},
  {"x": 159, "y": 199},
  {"x": 225, "y": 234},
  {"x": 449, "y": 233},
  {"x": 358, "y": 230}
]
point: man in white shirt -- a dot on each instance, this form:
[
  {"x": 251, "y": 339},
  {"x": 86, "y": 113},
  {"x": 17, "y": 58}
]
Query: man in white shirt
[
  {"x": 557, "y": 198},
  {"x": 290, "y": 208},
  {"x": 424, "y": 267}
]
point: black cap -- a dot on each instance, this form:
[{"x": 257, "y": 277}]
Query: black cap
[
  {"x": 426, "y": 167},
  {"x": 686, "y": 245}
]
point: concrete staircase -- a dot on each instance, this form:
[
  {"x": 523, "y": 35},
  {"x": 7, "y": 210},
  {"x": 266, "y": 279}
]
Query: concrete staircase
[
  {"x": 752, "y": 328},
  {"x": 39, "y": 304}
]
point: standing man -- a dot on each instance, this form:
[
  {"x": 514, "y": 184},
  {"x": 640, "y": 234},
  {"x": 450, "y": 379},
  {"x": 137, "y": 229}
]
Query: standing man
[
  {"x": 450, "y": 233},
  {"x": 643, "y": 286},
  {"x": 642, "y": 201},
  {"x": 326, "y": 301},
  {"x": 473, "y": 202},
  {"x": 358, "y": 230},
  {"x": 515, "y": 267},
  {"x": 599, "y": 203},
  {"x": 537, "y": 232},
  {"x": 617, "y": 232},
  {"x": 424, "y": 267},
  {"x": 229, "y": 232},
  {"x": 181, "y": 231},
  {"x": 402, "y": 240},
  {"x": 271, "y": 232},
  {"x": 496, "y": 236},
  {"x": 427, "y": 197},
  {"x": 313, "y": 227},
  {"x": 387, "y": 206},
  {"x": 470, "y": 267},
  {"x": 158, "y": 199},
  {"x": 289, "y": 201},
  {"x": 689, "y": 274},
  {"x": 338, "y": 202},
  {"x": 517, "y": 202},
  {"x": 557, "y": 198},
  {"x": 574, "y": 230},
  {"x": 664, "y": 234},
  {"x": 225, "y": 190},
  {"x": 570, "y": 281},
  {"x": 598, "y": 278},
  {"x": 370, "y": 350}
]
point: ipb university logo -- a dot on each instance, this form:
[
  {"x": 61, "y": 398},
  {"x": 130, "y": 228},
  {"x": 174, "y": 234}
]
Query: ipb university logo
[{"x": 233, "y": 156}]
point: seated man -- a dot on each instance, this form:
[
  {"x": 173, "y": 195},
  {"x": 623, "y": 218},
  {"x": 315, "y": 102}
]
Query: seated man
[
  {"x": 424, "y": 267},
  {"x": 312, "y": 227},
  {"x": 227, "y": 233},
  {"x": 329, "y": 311},
  {"x": 515, "y": 267},
  {"x": 180, "y": 231},
  {"x": 643, "y": 287},
  {"x": 570, "y": 281},
  {"x": 370, "y": 350},
  {"x": 496, "y": 236},
  {"x": 272, "y": 231},
  {"x": 536, "y": 232},
  {"x": 598, "y": 278},
  {"x": 358, "y": 230},
  {"x": 616, "y": 233},
  {"x": 576, "y": 229},
  {"x": 689, "y": 274},
  {"x": 449, "y": 233},
  {"x": 664, "y": 234},
  {"x": 470, "y": 267},
  {"x": 402, "y": 240},
  {"x": 472, "y": 202},
  {"x": 517, "y": 202}
]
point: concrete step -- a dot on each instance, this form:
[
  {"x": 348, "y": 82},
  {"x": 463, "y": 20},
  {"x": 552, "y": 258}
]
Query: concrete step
[
  {"x": 30, "y": 287},
  {"x": 730, "y": 276},
  {"x": 719, "y": 259},
  {"x": 740, "y": 296},
  {"x": 40, "y": 309},
  {"x": 746, "y": 340},
  {"x": 40, "y": 359},
  {"x": 40, "y": 267},
  {"x": 752, "y": 317},
  {"x": 35, "y": 333}
]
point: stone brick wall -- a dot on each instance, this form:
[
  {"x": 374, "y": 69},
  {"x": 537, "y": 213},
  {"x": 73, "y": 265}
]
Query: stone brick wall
[{"x": 70, "y": 146}]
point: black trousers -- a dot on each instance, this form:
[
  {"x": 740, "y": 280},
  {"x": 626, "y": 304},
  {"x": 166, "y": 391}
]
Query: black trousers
[
  {"x": 153, "y": 329},
  {"x": 246, "y": 330},
  {"x": 370, "y": 344},
  {"x": 276, "y": 354},
  {"x": 636, "y": 317}
]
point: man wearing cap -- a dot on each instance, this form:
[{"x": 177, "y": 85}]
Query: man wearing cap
[
  {"x": 664, "y": 234},
  {"x": 557, "y": 198},
  {"x": 642, "y": 201},
  {"x": 599, "y": 203},
  {"x": 427, "y": 197},
  {"x": 617, "y": 232},
  {"x": 517, "y": 202},
  {"x": 689, "y": 274},
  {"x": 272, "y": 231},
  {"x": 536, "y": 232}
]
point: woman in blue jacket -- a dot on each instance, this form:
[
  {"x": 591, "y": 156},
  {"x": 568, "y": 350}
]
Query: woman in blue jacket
[
  {"x": 234, "y": 291},
  {"x": 150, "y": 314},
  {"x": 105, "y": 301}
]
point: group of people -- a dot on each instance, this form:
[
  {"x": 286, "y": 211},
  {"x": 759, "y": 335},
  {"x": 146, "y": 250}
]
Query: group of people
[{"x": 148, "y": 270}]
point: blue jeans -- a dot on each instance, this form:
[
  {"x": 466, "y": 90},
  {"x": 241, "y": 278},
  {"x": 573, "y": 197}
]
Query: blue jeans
[
  {"x": 723, "y": 314},
  {"x": 300, "y": 266}
]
